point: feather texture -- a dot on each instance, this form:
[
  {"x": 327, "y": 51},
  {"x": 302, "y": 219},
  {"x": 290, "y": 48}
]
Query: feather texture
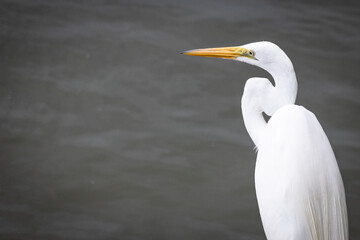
[{"x": 298, "y": 184}]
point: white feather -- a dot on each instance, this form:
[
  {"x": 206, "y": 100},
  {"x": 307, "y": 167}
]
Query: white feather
[{"x": 298, "y": 185}]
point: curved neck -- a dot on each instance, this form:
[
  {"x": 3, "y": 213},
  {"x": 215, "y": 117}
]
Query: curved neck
[
  {"x": 253, "y": 119},
  {"x": 261, "y": 96},
  {"x": 285, "y": 85}
]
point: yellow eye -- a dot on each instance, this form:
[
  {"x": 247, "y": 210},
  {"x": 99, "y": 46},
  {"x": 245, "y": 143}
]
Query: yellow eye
[{"x": 251, "y": 53}]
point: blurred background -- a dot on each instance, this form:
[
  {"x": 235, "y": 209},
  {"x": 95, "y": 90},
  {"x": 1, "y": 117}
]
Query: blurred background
[{"x": 107, "y": 132}]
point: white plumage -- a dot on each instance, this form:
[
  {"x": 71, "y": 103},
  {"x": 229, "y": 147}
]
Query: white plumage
[{"x": 298, "y": 183}]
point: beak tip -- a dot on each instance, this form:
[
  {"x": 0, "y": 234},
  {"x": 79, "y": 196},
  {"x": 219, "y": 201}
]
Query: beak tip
[{"x": 185, "y": 52}]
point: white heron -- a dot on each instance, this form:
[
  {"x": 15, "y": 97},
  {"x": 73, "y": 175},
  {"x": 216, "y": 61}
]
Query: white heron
[{"x": 299, "y": 188}]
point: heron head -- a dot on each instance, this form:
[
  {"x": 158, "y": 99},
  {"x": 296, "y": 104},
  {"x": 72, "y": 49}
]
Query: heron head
[{"x": 262, "y": 54}]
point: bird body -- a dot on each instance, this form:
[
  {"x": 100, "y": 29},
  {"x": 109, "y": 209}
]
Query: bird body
[{"x": 298, "y": 183}]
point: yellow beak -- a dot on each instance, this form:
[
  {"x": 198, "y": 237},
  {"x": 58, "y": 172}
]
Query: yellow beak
[{"x": 221, "y": 52}]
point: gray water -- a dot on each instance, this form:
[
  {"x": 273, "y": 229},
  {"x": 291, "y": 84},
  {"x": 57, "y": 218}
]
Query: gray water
[{"x": 107, "y": 132}]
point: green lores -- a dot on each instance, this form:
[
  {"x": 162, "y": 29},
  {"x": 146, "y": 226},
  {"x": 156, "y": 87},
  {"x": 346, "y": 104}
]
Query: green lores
[{"x": 223, "y": 52}]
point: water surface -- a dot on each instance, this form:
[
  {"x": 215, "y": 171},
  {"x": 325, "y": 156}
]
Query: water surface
[{"x": 107, "y": 132}]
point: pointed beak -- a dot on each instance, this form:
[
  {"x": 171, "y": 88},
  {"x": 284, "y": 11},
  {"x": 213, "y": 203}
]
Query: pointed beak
[{"x": 221, "y": 52}]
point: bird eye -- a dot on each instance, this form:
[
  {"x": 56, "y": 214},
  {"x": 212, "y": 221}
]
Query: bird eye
[{"x": 251, "y": 53}]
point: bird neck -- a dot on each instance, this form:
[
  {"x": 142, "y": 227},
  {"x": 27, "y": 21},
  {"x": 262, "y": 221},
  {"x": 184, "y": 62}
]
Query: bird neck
[
  {"x": 261, "y": 96},
  {"x": 254, "y": 120},
  {"x": 255, "y": 91},
  {"x": 285, "y": 89}
]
